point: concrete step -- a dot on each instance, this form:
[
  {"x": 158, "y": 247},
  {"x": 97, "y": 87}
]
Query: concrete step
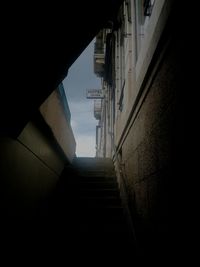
[
  {"x": 72, "y": 171},
  {"x": 96, "y": 185},
  {"x": 97, "y": 192},
  {"x": 100, "y": 202},
  {"x": 91, "y": 214},
  {"x": 94, "y": 161},
  {"x": 114, "y": 227},
  {"x": 109, "y": 249},
  {"x": 93, "y": 164},
  {"x": 95, "y": 179},
  {"x": 95, "y": 173}
]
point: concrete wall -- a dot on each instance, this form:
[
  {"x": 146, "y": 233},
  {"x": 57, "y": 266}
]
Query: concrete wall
[
  {"x": 29, "y": 170},
  {"x": 52, "y": 111},
  {"x": 30, "y": 166},
  {"x": 149, "y": 154}
]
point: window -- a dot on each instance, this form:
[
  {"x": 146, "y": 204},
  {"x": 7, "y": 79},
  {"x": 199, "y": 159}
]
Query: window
[
  {"x": 143, "y": 10},
  {"x": 148, "y": 5},
  {"x": 128, "y": 7}
]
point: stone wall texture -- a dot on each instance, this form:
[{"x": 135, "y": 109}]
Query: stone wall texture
[{"x": 149, "y": 152}]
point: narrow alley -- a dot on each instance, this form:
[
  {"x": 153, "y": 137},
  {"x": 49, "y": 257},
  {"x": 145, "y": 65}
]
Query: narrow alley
[{"x": 120, "y": 206}]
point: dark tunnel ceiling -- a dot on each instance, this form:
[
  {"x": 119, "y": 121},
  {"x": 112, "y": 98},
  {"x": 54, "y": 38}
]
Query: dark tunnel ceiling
[{"x": 38, "y": 45}]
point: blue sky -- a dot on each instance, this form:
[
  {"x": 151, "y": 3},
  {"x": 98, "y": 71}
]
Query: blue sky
[{"x": 80, "y": 78}]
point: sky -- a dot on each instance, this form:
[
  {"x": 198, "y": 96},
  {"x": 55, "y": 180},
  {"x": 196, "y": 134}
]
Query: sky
[{"x": 80, "y": 78}]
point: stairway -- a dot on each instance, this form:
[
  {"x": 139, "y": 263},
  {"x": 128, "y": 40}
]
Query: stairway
[
  {"x": 96, "y": 220},
  {"x": 83, "y": 223}
]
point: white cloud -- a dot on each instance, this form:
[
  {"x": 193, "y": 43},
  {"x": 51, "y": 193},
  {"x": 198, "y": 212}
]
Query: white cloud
[
  {"x": 74, "y": 125},
  {"x": 85, "y": 146},
  {"x": 82, "y": 118},
  {"x": 84, "y": 128},
  {"x": 80, "y": 78},
  {"x": 82, "y": 107}
]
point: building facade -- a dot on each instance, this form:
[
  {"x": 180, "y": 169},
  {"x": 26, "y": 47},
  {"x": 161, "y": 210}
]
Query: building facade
[{"x": 138, "y": 59}]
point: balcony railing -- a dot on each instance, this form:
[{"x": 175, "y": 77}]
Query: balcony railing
[{"x": 97, "y": 109}]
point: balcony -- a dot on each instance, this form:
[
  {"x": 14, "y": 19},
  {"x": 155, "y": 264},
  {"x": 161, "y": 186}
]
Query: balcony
[
  {"x": 97, "y": 109},
  {"x": 99, "y": 58}
]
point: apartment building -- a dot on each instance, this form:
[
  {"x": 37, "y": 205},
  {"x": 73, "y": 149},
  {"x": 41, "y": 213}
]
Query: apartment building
[{"x": 137, "y": 57}]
